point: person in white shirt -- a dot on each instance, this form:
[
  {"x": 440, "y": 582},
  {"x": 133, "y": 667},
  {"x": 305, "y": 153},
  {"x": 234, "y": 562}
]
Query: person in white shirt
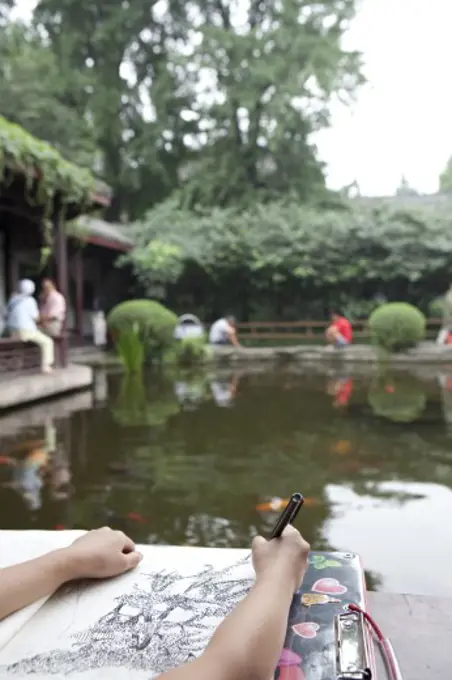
[
  {"x": 22, "y": 322},
  {"x": 223, "y": 332}
]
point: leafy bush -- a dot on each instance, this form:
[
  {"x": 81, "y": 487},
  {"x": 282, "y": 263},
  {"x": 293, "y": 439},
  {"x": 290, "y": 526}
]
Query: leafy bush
[
  {"x": 131, "y": 349},
  {"x": 436, "y": 307},
  {"x": 397, "y": 326},
  {"x": 189, "y": 351},
  {"x": 155, "y": 324}
]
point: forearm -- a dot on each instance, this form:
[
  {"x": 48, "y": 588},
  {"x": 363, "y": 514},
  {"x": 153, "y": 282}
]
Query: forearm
[
  {"x": 248, "y": 643},
  {"x": 250, "y": 639},
  {"x": 23, "y": 584}
]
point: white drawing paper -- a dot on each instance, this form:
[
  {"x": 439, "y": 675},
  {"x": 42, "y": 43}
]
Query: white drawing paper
[{"x": 141, "y": 624}]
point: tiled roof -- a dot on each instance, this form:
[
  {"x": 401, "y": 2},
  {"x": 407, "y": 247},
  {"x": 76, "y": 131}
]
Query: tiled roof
[{"x": 116, "y": 233}]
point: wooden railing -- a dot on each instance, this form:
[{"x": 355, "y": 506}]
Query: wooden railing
[{"x": 307, "y": 330}]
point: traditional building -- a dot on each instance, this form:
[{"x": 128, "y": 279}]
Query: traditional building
[{"x": 41, "y": 197}]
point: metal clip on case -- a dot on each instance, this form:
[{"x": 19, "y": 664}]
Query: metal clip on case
[{"x": 352, "y": 649}]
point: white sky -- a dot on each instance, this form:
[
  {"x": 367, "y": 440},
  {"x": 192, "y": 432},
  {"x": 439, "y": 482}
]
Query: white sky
[{"x": 401, "y": 121}]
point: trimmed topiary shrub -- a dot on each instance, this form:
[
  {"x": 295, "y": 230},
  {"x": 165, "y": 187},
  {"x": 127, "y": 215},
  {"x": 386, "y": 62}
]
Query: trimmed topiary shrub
[
  {"x": 397, "y": 326},
  {"x": 155, "y": 323}
]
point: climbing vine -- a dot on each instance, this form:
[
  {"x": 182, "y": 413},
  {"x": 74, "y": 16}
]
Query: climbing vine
[{"x": 43, "y": 167}]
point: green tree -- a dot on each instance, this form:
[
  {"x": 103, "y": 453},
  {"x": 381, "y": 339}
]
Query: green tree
[
  {"x": 266, "y": 77},
  {"x": 134, "y": 101},
  {"x": 37, "y": 94},
  {"x": 285, "y": 251},
  {"x": 445, "y": 178},
  {"x": 194, "y": 96}
]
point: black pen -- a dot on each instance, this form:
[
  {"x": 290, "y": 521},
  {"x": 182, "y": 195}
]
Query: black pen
[{"x": 288, "y": 514}]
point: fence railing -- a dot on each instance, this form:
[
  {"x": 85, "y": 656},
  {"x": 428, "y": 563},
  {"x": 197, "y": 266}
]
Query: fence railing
[{"x": 307, "y": 330}]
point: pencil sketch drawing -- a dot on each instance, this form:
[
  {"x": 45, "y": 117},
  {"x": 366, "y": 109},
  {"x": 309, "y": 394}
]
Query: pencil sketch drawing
[{"x": 166, "y": 620}]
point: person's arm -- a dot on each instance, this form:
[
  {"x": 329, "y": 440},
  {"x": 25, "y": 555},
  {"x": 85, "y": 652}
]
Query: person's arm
[
  {"x": 233, "y": 336},
  {"x": 248, "y": 643},
  {"x": 98, "y": 554},
  {"x": 34, "y": 310}
]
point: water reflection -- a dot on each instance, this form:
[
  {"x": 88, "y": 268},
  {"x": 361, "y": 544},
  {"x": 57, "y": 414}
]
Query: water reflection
[
  {"x": 35, "y": 475},
  {"x": 396, "y": 398},
  {"x": 170, "y": 458}
]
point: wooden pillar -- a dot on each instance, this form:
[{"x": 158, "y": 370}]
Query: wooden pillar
[
  {"x": 61, "y": 259},
  {"x": 78, "y": 275}
]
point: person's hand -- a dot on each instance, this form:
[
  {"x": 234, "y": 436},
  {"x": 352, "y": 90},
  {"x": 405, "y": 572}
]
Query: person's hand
[
  {"x": 102, "y": 553},
  {"x": 285, "y": 557}
]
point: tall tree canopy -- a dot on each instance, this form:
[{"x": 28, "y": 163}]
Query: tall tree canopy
[
  {"x": 203, "y": 97},
  {"x": 37, "y": 93}
]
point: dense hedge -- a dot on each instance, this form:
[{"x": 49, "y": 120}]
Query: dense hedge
[
  {"x": 397, "y": 326},
  {"x": 290, "y": 261}
]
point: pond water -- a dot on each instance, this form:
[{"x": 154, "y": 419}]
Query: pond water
[{"x": 196, "y": 459}]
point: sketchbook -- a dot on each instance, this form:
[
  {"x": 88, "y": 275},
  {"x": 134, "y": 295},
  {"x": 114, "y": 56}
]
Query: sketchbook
[{"x": 163, "y": 614}]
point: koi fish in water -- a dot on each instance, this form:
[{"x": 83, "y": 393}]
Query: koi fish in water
[
  {"x": 135, "y": 517},
  {"x": 278, "y": 504},
  {"x": 342, "y": 447}
]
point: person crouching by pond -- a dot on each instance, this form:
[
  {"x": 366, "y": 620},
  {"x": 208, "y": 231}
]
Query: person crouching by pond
[
  {"x": 339, "y": 333},
  {"x": 22, "y": 323},
  {"x": 53, "y": 309},
  {"x": 224, "y": 332}
]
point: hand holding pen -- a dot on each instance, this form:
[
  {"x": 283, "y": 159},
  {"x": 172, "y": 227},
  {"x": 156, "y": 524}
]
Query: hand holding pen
[{"x": 287, "y": 556}]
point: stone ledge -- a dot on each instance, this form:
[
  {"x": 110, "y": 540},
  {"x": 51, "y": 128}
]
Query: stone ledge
[
  {"x": 424, "y": 353},
  {"x": 420, "y": 629},
  {"x": 32, "y": 388}
]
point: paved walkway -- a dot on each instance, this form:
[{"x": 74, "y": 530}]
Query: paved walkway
[
  {"x": 420, "y": 629},
  {"x": 31, "y": 388}
]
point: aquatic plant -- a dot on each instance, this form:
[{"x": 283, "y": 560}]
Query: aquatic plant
[
  {"x": 131, "y": 349},
  {"x": 189, "y": 351}
]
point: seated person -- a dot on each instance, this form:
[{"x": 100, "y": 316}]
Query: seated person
[
  {"x": 247, "y": 644},
  {"x": 339, "y": 333},
  {"x": 22, "y": 323},
  {"x": 224, "y": 332}
]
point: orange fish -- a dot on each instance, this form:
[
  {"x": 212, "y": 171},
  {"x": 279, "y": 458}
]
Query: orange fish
[
  {"x": 278, "y": 504},
  {"x": 310, "y": 501},
  {"x": 59, "y": 527},
  {"x": 342, "y": 447},
  {"x": 390, "y": 389},
  {"x": 135, "y": 517},
  {"x": 275, "y": 505}
]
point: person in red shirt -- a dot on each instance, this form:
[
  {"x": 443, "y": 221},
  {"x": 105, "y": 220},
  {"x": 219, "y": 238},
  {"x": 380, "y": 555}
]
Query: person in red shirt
[{"x": 339, "y": 333}]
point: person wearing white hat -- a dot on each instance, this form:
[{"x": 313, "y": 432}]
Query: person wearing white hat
[{"x": 22, "y": 323}]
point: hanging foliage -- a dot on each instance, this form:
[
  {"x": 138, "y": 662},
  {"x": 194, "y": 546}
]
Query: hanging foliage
[{"x": 38, "y": 162}]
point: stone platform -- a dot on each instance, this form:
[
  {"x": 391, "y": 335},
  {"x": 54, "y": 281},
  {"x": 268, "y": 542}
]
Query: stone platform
[
  {"x": 425, "y": 353},
  {"x": 27, "y": 389},
  {"x": 420, "y": 629}
]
